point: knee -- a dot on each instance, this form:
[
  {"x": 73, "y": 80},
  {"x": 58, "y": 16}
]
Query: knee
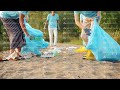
[{"x": 84, "y": 37}]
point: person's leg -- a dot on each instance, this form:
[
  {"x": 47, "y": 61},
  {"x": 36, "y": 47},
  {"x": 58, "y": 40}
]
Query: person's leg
[
  {"x": 84, "y": 37},
  {"x": 55, "y": 36},
  {"x": 18, "y": 50},
  {"x": 7, "y": 26},
  {"x": 50, "y": 30},
  {"x": 82, "y": 48},
  {"x": 0, "y": 59},
  {"x": 15, "y": 34},
  {"x": 1, "y": 56},
  {"x": 92, "y": 22},
  {"x": 11, "y": 51},
  {"x": 88, "y": 24}
]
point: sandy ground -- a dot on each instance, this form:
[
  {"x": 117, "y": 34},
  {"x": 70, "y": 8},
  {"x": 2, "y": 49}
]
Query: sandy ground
[{"x": 64, "y": 66}]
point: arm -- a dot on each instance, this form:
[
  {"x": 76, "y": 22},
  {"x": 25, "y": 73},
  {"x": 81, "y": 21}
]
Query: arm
[
  {"x": 99, "y": 13},
  {"x": 98, "y": 16},
  {"x": 21, "y": 20},
  {"x": 27, "y": 18},
  {"x": 77, "y": 21},
  {"x": 81, "y": 18},
  {"x": 46, "y": 23}
]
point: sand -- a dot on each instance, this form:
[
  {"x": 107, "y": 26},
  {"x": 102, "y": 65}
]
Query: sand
[{"x": 64, "y": 66}]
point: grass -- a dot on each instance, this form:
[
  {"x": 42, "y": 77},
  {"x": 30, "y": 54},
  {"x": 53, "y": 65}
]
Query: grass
[
  {"x": 115, "y": 35},
  {"x": 4, "y": 47},
  {"x": 75, "y": 41}
]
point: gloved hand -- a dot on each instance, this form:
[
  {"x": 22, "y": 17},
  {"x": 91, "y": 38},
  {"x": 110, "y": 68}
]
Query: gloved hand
[{"x": 31, "y": 37}]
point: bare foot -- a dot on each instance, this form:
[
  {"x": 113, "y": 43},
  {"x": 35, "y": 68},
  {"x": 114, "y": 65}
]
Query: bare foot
[
  {"x": 12, "y": 59},
  {"x": 0, "y": 59}
]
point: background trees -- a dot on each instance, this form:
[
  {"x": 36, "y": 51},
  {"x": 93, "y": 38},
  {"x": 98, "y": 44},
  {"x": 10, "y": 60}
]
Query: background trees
[{"x": 110, "y": 22}]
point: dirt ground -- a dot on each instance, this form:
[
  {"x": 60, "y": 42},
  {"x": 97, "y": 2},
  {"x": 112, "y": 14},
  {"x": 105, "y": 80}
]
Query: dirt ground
[{"x": 65, "y": 65}]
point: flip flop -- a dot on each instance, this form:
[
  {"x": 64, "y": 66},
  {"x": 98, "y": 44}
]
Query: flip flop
[
  {"x": 20, "y": 58},
  {"x": 4, "y": 60}
]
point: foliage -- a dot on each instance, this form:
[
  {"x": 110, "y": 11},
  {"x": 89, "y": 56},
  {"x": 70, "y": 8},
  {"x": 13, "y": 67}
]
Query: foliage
[{"x": 110, "y": 22}]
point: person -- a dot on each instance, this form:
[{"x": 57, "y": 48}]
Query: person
[
  {"x": 10, "y": 20},
  {"x": 34, "y": 40},
  {"x": 82, "y": 19},
  {"x": 85, "y": 23},
  {"x": 53, "y": 25},
  {"x": 0, "y": 59}
]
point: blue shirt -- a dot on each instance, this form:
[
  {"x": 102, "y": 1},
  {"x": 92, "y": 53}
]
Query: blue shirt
[
  {"x": 52, "y": 20},
  {"x": 12, "y": 14},
  {"x": 9, "y": 14},
  {"x": 88, "y": 14}
]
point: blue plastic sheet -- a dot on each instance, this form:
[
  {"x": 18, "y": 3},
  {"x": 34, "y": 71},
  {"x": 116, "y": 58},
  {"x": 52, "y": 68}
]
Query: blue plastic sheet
[
  {"x": 103, "y": 46},
  {"x": 35, "y": 45}
]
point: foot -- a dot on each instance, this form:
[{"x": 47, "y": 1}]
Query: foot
[
  {"x": 19, "y": 58},
  {"x": 81, "y": 49},
  {"x": 89, "y": 55},
  {"x": 9, "y": 59},
  {"x": 0, "y": 59},
  {"x": 90, "y": 58}
]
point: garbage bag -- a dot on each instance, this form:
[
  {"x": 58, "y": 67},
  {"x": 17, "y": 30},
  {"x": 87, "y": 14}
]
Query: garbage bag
[
  {"x": 103, "y": 46},
  {"x": 37, "y": 43}
]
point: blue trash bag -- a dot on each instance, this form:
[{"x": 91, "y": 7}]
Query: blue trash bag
[
  {"x": 36, "y": 44},
  {"x": 103, "y": 46}
]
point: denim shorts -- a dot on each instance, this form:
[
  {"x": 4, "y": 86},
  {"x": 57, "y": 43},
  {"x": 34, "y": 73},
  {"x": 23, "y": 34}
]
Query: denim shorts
[{"x": 87, "y": 31}]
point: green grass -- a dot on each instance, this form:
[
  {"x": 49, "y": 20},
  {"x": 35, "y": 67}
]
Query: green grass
[
  {"x": 4, "y": 47},
  {"x": 115, "y": 35},
  {"x": 75, "y": 41}
]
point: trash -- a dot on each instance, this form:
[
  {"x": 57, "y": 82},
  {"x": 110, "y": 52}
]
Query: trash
[
  {"x": 47, "y": 54},
  {"x": 57, "y": 50},
  {"x": 51, "y": 53},
  {"x": 27, "y": 55},
  {"x": 70, "y": 50}
]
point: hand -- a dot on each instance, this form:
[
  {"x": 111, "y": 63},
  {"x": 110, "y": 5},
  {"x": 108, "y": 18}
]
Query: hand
[
  {"x": 31, "y": 37},
  {"x": 83, "y": 26},
  {"x": 44, "y": 28}
]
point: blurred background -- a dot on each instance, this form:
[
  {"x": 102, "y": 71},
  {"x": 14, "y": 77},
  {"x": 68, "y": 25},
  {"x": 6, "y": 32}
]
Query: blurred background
[{"x": 69, "y": 32}]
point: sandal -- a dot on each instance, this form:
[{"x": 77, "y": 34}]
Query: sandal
[
  {"x": 19, "y": 58},
  {"x": 1, "y": 60},
  {"x": 7, "y": 60}
]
